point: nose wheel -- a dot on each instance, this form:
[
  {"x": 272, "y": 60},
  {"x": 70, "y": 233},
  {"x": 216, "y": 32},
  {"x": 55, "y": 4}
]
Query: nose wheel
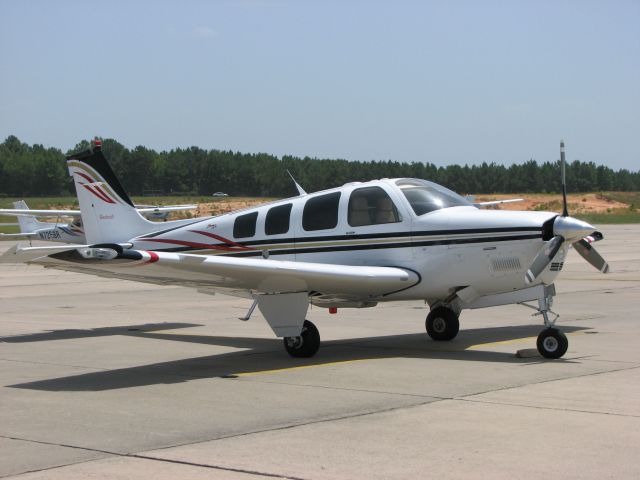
[
  {"x": 552, "y": 343},
  {"x": 442, "y": 324},
  {"x": 304, "y": 345}
]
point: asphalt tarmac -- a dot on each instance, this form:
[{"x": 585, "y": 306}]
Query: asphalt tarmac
[{"x": 116, "y": 380}]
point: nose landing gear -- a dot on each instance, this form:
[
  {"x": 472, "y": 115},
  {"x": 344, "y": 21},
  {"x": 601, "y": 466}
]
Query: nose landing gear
[{"x": 551, "y": 343}]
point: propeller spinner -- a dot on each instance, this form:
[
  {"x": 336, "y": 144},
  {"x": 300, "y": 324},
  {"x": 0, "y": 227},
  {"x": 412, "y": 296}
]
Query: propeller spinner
[{"x": 567, "y": 229}]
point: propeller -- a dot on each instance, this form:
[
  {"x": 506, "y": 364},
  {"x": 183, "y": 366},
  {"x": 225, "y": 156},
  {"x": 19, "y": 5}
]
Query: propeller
[{"x": 567, "y": 229}]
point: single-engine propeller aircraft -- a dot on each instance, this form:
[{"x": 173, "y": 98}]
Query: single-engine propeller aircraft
[{"x": 347, "y": 247}]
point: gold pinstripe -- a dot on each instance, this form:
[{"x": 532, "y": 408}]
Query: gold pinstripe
[{"x": 95, "y": 174}]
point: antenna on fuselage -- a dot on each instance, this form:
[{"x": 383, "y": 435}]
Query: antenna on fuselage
[{"x": 298, "y": 187}]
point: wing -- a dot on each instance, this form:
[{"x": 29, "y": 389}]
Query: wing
[
  {"x": 211, "y": 272},
  {"x": 18, "y": 235},
  {"x": 498, "y": 202},
  {"x": 168, "y": 208},
  {"x": 41, "y": 213}
]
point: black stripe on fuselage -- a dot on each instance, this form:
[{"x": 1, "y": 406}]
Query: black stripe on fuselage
[
  {"x": 367, "y": 236},
  {"x": 374, "y": 246},
  {"x": 363, "y": 236}
]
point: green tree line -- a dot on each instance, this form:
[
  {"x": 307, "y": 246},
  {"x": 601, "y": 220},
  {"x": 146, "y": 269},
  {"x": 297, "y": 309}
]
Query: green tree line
[{"x": 33, "y": 170}]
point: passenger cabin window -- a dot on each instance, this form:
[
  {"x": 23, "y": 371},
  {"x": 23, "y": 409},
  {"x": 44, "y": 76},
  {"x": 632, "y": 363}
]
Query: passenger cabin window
[
  {"x": 371, "y": 206},
  {"x": 277, "y": 220},
  {"x": 245, "y": 225},
  {"x": 321, "y": 212},
  {"x": 425, "y": 196}
]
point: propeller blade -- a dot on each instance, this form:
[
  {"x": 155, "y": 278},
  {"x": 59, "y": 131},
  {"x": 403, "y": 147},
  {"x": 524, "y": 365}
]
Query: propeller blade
[
  {"x": 565, "y": 210},
  {"x": 543, "y": 258},
  {"x": 584, "y": 248}
]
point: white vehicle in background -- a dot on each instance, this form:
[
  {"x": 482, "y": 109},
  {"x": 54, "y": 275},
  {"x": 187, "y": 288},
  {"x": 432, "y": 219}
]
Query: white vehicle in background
[
  {"x": 348, "y": 247},
  {"x": 219, "y": 194}
]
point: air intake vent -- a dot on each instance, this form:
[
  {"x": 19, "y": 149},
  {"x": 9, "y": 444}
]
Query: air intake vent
[{"x": 505, "y": 264}]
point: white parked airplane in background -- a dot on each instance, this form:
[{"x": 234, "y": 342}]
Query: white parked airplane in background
[{"x": 347, "y": 247}]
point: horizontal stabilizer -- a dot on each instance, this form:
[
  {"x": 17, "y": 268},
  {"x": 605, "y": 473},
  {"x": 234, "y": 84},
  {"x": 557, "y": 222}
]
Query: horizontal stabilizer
[{"x": 20, "y": 254}]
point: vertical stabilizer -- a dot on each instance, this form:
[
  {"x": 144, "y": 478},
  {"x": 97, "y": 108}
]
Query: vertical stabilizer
[
  {"x": 108, "y": 214},
  {"x": 28, "y": 223}
]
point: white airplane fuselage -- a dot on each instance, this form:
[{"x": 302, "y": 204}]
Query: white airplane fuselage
[{"x": 458, "y": 246}]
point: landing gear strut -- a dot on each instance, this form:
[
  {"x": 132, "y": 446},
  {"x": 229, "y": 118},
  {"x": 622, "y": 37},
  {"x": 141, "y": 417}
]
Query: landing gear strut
[
  {"x": 304, "y": 345},
  {"x": 442, "y": 324}
]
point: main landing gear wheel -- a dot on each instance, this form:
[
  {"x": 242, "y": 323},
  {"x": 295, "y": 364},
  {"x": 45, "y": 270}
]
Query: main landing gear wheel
[
  {"x": 552, "y": 343},
  {"x": 306, "y": 344},
  {"x": 442, "y": 324}
]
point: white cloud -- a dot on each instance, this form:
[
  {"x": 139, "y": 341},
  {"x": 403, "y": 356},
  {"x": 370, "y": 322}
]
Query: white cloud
[{"x": 205, "y": 32}]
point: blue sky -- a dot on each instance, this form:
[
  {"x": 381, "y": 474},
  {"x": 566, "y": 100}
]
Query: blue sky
[{"x": 437, "y": 81}]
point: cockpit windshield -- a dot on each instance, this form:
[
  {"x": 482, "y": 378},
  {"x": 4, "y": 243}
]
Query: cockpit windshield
[{"x": 425, "y": 196}]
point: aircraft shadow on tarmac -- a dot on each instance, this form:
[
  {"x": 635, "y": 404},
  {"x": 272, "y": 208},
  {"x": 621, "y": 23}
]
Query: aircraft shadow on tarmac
[{"x": 263, "y": 354}]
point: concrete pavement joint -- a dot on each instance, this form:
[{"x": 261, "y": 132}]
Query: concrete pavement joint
[
  {"x": 303, "y": 424},
  {"x": 509, "y": 387},
  {"x": 216, "y": 467},
  {"x": 539, "y": 407},
  {"x": 361, "y": 390},
  {"x": 134, "y": 455}
]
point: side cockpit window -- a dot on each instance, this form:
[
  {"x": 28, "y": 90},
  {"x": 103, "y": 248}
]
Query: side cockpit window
[
  {"x": 245, "y": 225},
  {"x": 321, "y": 212},
  {"x": 371, "y": 206},
  {"x": 277, "y": 221}
]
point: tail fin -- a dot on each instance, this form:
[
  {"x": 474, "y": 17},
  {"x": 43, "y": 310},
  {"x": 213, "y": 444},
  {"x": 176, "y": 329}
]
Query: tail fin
[
  {"x": 108, "y": 214},
  {"x": 28, "y": 223}
]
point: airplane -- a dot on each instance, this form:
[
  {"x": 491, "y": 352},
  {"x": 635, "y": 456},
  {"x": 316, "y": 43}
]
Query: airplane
[{"x": 348, "y": 247}]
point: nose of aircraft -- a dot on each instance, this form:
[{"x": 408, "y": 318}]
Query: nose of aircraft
[{"x": 571, "y": 229}]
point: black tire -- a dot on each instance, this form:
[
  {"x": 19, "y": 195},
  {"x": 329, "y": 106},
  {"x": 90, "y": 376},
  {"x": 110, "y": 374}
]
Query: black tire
[
  {"x": 442, "y": 324},
  {"x": 306, "y": 345},
  {"x": 552, "y": 343}
]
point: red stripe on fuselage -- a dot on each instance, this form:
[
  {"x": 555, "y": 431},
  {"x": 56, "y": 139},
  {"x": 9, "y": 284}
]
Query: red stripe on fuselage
[
  {"x": 205, "y": 246},
  {"x": 222, "y": 239}
]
